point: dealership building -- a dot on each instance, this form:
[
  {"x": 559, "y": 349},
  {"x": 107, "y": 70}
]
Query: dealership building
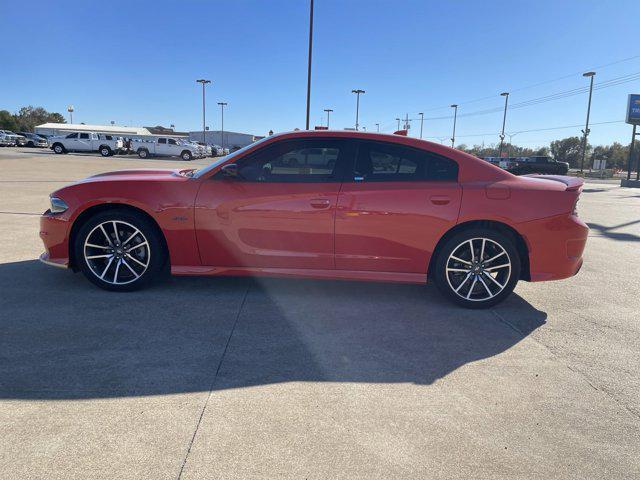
[{"x": 65, "y": 128}]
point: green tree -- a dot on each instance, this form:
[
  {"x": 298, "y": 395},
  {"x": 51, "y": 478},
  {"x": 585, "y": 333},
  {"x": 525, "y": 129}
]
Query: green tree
[
  {"x": 568, "y": 150},
  {"x": 29, "y": 117},
  {"x": 7, "y": 121}
]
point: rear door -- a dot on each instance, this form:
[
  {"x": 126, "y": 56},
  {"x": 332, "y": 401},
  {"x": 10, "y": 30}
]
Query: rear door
[
  {"x": 162, "y": 147},
  {"x": 84, "y": 142},
  {"x": 279, "y": 212},
  {"x": 395, "y": 207}
]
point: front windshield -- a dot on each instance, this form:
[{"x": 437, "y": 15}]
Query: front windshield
[{"x": 226, "y": 158}]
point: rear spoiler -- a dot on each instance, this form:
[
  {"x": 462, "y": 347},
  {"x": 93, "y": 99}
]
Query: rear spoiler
[{"x": 572, "y": 183}]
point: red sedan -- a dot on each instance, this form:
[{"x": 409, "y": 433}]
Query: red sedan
[{"x": 339, "y": 205}]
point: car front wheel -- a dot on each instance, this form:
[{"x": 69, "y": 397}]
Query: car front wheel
[
  {"x": 477, "y": 268},
  {"x": 119, "y": 250},
  {"x": 58, "y": 148}
]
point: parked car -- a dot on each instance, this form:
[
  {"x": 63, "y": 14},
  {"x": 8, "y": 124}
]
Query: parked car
[
  {"x": 107, "y": 145},
  {"x": 315, "y": 204},
  {"x": 35, "y": 140},
  {"x": 6, "y": 140},
  {"x": 18, "y": 140},
  {"x": 167, "y": 147},
  {"x": 538, "y": 164}
]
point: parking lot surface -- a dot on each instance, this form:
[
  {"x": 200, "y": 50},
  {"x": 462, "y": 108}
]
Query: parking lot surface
[{"x": 241, "y": 378}]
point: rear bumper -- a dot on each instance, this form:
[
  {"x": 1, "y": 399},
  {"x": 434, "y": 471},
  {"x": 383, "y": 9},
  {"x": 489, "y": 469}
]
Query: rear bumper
[
  {"x": 555, "y": 245},
  {"x": 54, "y": 235}
]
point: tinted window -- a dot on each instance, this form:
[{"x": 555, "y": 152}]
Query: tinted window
[
  {"x": 162, "y": 140},
  {"x": 172, "y": 142},
  {"x": 393, "y": 163},
  {"x": 72, "y": 135},
  {"x": 84, "y": 135},
  {"x": 313, "y": 160}
]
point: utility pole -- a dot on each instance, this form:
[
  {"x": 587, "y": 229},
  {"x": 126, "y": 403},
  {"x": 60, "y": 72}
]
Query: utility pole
[
  {"x": 421, "y": 123},
  {"x": 455, "y": 117},
  {"x": 203, "y": 82},
  {"x": 504, "y": 119},
  {"x": 407, "y": 126},
  {"x": 309, "y": 64},
  {"x": 328, "y": 110},
  {"x": 378, "y": 127},
  {"x": 222, "y": 105},
  {"x": 398, "y": 123},
  {"x": 357, "y": 92},
  {"x": 585, "y": 132}
]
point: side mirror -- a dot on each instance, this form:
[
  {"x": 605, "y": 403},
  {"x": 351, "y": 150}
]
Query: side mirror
[{"x": 230, "y": 170}]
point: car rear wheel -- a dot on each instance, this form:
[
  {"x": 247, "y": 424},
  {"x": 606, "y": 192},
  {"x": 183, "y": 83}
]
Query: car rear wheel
[
  {"x": 142, "y": 153},
  {"x": 477, "y": 268},
  {"x": 58, "y": 148},
  {"x": 119, "y": 251},
  {"x": 105, "y": 151},
  {"x": 186, "y": 156},
  {"x": 30, "y": 144}
]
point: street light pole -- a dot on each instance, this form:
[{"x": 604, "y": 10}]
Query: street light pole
[
  {"x": 222, "y": 105},
  {"x": 203, "y": 82},
  {"x": 378, "y": 127},
  {"x": 328, "y": 110},
  {"x": 511, "y": 135},
  {"x": 504, "y": 120},
  {"x": 585, "y": 132},
  {"x": 398, "y": 123},
  {"x": 357, "y": 92},
  {"x": 70, "y": 110},
  {"x": 421, "y": 123},
  {"x": 309, "y": 62},
  {"x": 455, "y": 118}
]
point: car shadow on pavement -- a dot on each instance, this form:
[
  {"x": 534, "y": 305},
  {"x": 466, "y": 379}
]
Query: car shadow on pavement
[{"x": 63, "y": 338}]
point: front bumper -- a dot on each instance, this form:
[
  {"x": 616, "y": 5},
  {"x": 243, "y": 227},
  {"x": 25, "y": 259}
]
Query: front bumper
[
  {"x": 555, "y": 245},
  {"x": 54, "y": 232}
]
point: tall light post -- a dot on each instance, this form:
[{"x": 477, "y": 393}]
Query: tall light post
[
  {"x": 222, "y": 105},
  {"x": 585, "y": 132},
  {"x": 398, "y": 120},
  {"x": 511, "y": 135},
  {"x": 357, "y": 92},
  {"x": 70, "y": 110},
  {"x": 504, "y": 120},
  {"x": 378, "y": 127},
  {"x": 203, "y": 82},
  {"x": 421, "y": 123},
  {"x": 455, "y": 118},
  {"x": 328, "y": 110},
  {"x": 309, "y": 62}
]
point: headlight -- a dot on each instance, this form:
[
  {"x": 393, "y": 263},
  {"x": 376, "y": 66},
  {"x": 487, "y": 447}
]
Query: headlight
[{"x": 58, "y": 205}]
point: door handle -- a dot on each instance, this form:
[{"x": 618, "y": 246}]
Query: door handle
[
  {"x": 320, "y": 202},
  {"x": 439, "y": 199}
]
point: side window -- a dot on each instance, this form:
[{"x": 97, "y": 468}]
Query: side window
[
  {"x": 84, "y": 136},
  {"x": 384, "y": 162},
  {"x": 172, "y": 142},
  {"x": 72, "y": 135},
  {"x": 162, "y": 140},
  {"x": 313, "y": 160}
]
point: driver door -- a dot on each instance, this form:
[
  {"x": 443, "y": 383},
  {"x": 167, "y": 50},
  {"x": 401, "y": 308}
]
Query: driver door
[{"x": 280, "y": 210}]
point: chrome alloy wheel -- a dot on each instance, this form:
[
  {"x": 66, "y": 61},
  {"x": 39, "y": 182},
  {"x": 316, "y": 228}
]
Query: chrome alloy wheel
[
  {"x": 478, "y": 269},
  {"x": 117, "y": 252}
]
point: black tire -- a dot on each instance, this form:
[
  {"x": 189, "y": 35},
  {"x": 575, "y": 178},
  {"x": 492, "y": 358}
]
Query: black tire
[
  {"x": 143, "y": 153},
  {"x": 186, "y": 156},
  {"x": 59, "y": 148},
  {"x": 105, "y": 151},
  {"x": 31, "y": 144},
  {"x": 477, "y": 281},
  {"x": 152, "y": 255}
]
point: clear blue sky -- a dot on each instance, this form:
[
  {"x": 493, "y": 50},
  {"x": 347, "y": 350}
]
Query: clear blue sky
[{"x": 136, "y": 62}]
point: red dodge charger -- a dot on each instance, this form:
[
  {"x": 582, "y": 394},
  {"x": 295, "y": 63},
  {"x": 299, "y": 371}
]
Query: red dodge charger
[{"x": 326, "y": 204}]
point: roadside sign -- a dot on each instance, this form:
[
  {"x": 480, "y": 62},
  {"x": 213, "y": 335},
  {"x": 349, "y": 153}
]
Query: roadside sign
[{"x": 633, "y": 109}]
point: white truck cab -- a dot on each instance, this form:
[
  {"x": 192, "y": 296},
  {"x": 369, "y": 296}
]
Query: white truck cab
[
  {"x": 165, "y": 147},
  {"x": 106, "y": 144}
]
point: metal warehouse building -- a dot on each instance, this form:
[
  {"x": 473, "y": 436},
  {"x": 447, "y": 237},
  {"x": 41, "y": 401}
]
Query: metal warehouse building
[
  {"x": 232, "y": 140},
  {"x": 64, "y": 128}
]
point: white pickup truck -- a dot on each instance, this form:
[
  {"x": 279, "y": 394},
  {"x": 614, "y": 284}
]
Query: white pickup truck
[
  {"x": 107, "y": 145},
  {"x": 165, "y": 147}
]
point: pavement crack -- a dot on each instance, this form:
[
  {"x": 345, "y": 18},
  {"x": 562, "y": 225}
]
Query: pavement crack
[{"x": 213, "y": 382}]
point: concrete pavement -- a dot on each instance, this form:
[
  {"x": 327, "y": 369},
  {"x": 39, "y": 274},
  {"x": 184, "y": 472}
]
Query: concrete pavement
[{"x": 240, "y": 378}]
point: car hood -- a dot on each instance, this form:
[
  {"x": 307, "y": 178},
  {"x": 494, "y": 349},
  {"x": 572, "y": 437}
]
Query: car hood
[{"x": 147, "y": 174}]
